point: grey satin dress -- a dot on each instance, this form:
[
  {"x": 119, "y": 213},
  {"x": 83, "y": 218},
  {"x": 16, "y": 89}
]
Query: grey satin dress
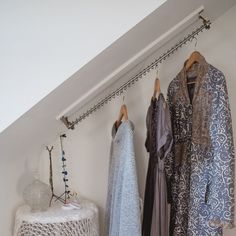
[{"x": 158, "y": 144}]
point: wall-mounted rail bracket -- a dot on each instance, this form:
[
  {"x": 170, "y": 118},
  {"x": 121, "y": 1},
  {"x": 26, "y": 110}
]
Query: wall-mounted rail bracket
[
  {"x": 67, "y": 123},
  {"x": 205, "y": 21}
]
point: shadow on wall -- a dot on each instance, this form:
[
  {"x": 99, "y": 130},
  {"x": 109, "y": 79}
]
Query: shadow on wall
[
  {"x": 23, "y": 174},
  {"x": 30, "y": 172}
]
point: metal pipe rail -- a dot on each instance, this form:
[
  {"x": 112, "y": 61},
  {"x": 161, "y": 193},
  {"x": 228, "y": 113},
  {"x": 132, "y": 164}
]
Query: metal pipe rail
[{"x": 71, "y": 124}]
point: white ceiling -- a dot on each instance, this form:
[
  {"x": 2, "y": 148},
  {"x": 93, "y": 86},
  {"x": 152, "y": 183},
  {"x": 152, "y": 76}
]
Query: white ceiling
[
  {"x": 40, "y": 122},
  {"x": 44, "y": 42}
]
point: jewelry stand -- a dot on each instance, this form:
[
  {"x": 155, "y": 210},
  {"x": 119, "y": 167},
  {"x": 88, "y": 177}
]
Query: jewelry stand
[{"x": 65, "y": 195}]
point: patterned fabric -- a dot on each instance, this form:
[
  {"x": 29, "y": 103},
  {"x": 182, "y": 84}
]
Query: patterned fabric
[
  {"x": 123, "y": 211},
  {"x": 200, "y": 167},
  {"x": 158, "y": 144}
]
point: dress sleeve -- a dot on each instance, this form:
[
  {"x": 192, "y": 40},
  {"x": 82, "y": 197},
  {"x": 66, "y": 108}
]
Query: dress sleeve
[
  {"x": 221, "y": 186},
  {"x": 169, "y": 159},
  {"x": 168, "y": 137},
  {"x": 147, "y": 142}
]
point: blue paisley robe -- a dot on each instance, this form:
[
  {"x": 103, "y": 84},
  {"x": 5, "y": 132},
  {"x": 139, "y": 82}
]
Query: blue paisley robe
[{"x": 200, "y": 167}]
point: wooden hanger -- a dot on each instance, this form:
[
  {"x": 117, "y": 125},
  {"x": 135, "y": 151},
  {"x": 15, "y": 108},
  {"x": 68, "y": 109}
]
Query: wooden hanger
[
  {"x": 122, "y": 115},
  {"x": 194, "y": 57},
  {"x": 157, "y": 88}
]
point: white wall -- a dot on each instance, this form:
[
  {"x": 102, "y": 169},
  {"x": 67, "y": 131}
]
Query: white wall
[
  {"x": 87, "y": 147},
  {"x": 44, "y": 42}
]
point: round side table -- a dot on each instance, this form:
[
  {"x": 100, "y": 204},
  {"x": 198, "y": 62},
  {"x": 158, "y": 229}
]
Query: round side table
[{"x": 57, "y": 221}]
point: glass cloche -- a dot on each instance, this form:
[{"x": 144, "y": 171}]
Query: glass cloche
[{"x": 37, "y": 195}]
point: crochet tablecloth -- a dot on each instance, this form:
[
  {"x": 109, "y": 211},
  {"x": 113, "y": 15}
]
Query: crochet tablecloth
[{"x": 57, "y": 221}]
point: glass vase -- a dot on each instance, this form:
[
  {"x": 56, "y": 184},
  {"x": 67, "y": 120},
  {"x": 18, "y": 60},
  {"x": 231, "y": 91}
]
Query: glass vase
[{"x": 37, "y": 195}]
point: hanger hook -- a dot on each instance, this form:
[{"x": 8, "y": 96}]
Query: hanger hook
[
  {"x": 194, "y": 38},
  {"x": 195, "y": 45},
  {"x": 157, "y": 72},
  {"x": 156, "y": 66}
]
